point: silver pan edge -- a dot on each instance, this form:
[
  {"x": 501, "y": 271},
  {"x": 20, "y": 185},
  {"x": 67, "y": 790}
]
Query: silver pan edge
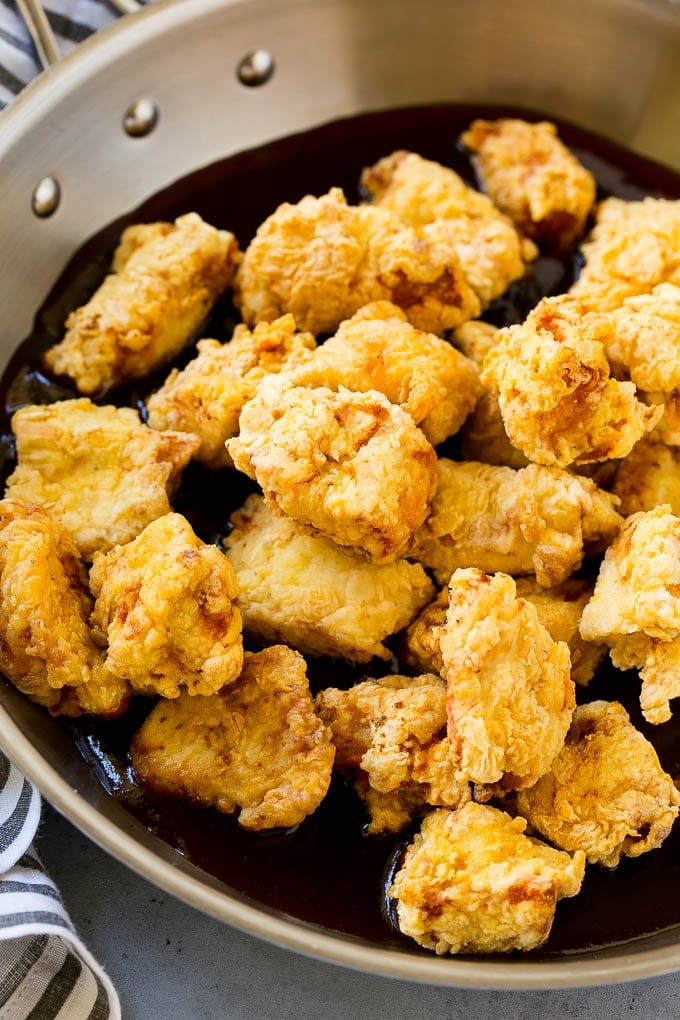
[{"x": 611, "y": 66}]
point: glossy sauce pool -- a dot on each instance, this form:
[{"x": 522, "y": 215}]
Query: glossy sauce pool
[{"x": 327, "y": 871}]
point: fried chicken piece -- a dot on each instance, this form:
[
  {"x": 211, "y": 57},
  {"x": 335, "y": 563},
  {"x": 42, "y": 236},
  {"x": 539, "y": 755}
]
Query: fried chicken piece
[
  {"x": 46, "y": 648},
  {"x": 437, "y": 202},
  {"x": 537, "y": 520},
  {"x": 206, "y": 398},
  {"x": 605, "y": 793},
  {"x": 98, "y": 470},
  {"x": 164, "y": 281},
  {"x": 559, "y": 610},
  {"x": 647, "y": 477},
  {"x": 483, "y": 436},
  {"x": 532, "y": 177},
  {"x": 668, "y": 427},
  {"x": 350, "y": 466},
  {"x": 472, "y": 882},
  {"x": 475, "y": 339},
  {"x": 390, "y": 739},
  {"x": 646, "y": 339},
  {"x": 309, "y": 593},
  {"x": 510, "y": 694},
  {"x": 635, "y": 607},
  {"x": 378, "y": 349},
  {"x": 552, "y": 380},
  {"x": 255, "y": 747},
  {"x": 166, "y": 611},
  {"x": 632, "y": 248},
  {"x": 323, "y": 259}
]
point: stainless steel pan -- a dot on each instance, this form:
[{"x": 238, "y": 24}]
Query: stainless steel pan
[{"x": 612, "y": 66}]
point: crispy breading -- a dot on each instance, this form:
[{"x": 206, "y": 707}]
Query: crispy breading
[
  {"x": 510, "y": 694},
  {"x": 46, "y": 647},
  {"x": 605, "y": 793},
  {"x": 475, "y": 339},
  {"x": 166, "y": 611},
  {"x": 647, "y": 477},
  {"x": 552, "y": 379},
  {"x": 378, "y": 349},
  {"x": 308, "y": 592},
  {"x": 565, "y": 517},
  {"x": 164, "y": 281},
  {"x": 350, "y": 466},
  {"x": 559, "y": 610},
  {"x": 536, "y": 520},
  {"x": 635, "y": 607},
  {"x": 645, "y": 344},
  {"x": 256, "y": 747},
  {"x": 207, "y": 397},
  {"x": 632, "y": 248},
  {"x": 668, "y": 427},
  {"x": 436, "y": 201},
  {"x": 390, "y": 739},
  {"x": 322, "y": 259},
  {"x": 532, "y": 177},
  {"x": 472, "y": 882},
  {"x": 98, "y": 470},
  {"x": 483, "y": 436}
]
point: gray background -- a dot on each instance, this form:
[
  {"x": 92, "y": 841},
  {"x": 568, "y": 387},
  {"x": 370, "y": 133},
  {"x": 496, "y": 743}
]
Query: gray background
[{"x": 170, "y": 962}]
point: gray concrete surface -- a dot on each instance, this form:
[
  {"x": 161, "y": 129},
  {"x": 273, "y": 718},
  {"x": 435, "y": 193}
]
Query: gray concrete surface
[{"x": 169, "y": 962}]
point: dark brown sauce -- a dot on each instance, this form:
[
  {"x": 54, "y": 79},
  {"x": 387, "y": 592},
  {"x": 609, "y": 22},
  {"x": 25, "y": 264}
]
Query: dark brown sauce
[{"x": 327, "y": 871}]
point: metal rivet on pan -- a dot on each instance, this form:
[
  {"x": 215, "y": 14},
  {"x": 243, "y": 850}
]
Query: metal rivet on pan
[
  {"x": 140, "y": 118},
  {"x": 256, "y": 68},
  {"x": 45, "y": 198}
]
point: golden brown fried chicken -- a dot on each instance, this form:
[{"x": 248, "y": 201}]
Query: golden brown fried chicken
[
  {"x": 256, "y": 747},
  {"x": 46, "y": 648},
  {"x": 350, "y": 466},
  {"x": 635, "y": 608},
  {"x": 537, "y": 520},
  {"x": 647, "y": 477},
  {"x": 472, "y": 882},
  {"x": 532, "y": 177},
  {"x": 437, "y": 202},
  {"x": 510, "y": 693},
  {"x": 390, "y": 739},
  {"x": 165, "y": 279},
  {"x": 668, "y": 428},
  {"x": 483, "y": 436},
  {"x": 310, "y": 593},
  {"x": 323, "y": 259},
  {"x": 633, "y": 247},
  {"x": 475, "y": 339},
  {"x": 605, "y": 793},
  {"x": 645, "y": 344},
  {"x": 166, "y": 611},
  {"x": 207, "y": 397},
  {"x": 378, "y": 349},
  {"x": 552, "y": 380},
  {"x": 559, "y": 610},
  {"x": 98, "y": 470}
]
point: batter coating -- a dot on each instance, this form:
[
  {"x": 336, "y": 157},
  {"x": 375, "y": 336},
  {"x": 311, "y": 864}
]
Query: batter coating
[
  {"x": 165, "y": 279},
  {"x": 472, "y": 882},
  {"x": 255, "y": 749}
]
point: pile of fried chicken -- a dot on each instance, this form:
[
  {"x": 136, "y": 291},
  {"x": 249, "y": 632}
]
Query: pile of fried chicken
[{"x": 361, "y": 350}]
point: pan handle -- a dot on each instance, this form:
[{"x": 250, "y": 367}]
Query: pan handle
[{"x": 41, "y": 32}]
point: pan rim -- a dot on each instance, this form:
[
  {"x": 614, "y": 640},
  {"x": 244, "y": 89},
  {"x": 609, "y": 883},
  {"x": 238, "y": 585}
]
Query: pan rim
[{"x": 291, "y": 934}]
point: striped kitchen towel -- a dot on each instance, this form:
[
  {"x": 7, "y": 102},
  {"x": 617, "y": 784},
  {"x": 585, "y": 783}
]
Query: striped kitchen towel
[
  {"x": 71, "y": 20},
  {"x": 45, "y": 970}
]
